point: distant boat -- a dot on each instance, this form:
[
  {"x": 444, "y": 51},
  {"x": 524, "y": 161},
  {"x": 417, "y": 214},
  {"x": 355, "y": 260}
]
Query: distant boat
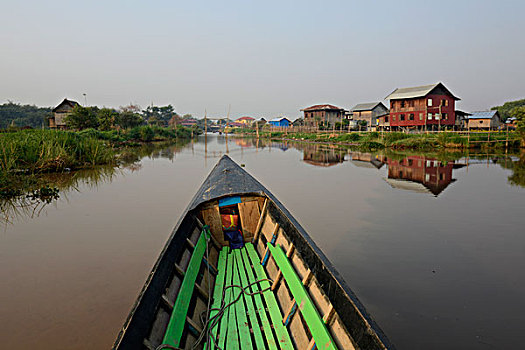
[{"x": 239, "y": 259}]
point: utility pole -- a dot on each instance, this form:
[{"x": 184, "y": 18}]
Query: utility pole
[
  {"x": 205, "y": 124},
  {"x": 205, "y": 138},
  {"x": 227, "y": 122}
]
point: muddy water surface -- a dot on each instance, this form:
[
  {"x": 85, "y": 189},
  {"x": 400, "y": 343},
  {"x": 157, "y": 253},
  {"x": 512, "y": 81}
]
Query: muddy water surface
[{"x": 432, "y": 244}]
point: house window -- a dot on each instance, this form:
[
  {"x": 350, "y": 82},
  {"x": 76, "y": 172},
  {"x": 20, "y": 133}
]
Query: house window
[
  {"x": 429, "y": 102},
  {"x": 427, "y": 177},
  {"x": 394, "y": 118},
  {"x": 411, "y": 103},
  {"x": 445, "y": 116},
  {"x": 429, "y": 116},
  {"x": 402, "y": 117},
  {"x": 437, "y": 116},
  {"x": 410, "y": 162},
  {"x": 402, "y": 104},
  {"x": 420, "y": 116},
  {"x": 444, "y": 103},
  {"x": 411, "y": 117},
  {"x": 386, "y": 119}
]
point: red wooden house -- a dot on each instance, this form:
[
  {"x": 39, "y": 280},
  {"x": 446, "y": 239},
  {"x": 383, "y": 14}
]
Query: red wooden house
[{"x": 423, "y": 107}]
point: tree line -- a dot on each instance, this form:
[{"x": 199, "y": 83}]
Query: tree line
[
  {"x": 17, "y": 115},
  {"x": 510, "y": 109}
]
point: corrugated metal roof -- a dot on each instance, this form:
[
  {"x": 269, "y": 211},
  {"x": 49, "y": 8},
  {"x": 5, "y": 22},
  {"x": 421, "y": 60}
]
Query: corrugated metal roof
[
  {"x": 413, "y": 92},
  {"x": 321, "y": 107},
  {"x": 278, "y": 119},
  {"x": 482, "y": 115},
  {"x": 365, "y": 106}
]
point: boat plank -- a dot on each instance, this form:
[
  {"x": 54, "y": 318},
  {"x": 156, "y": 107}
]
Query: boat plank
[
  {"x": 267, "y": 328},
  {"x": 180, "y": 309},
  {"x": 223, "y": 328},
  {"x": 212, "y": 218},
  {"x": 219, "y": 287},
  {"x": 310, "y": 314},
  {"x": 252, "y": 315},
  {"x": 249, "y": 214},
  {"x": 243, "y": 327},
  {"x": 273, "y": 308},
  {"x": 232, "y": 333}
]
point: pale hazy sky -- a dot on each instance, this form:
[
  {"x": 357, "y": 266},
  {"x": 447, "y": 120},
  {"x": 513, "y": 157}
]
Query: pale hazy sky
[{"x": 264, "y": 58}]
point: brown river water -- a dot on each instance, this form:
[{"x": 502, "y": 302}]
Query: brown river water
[{"x": 432, "y": 244}]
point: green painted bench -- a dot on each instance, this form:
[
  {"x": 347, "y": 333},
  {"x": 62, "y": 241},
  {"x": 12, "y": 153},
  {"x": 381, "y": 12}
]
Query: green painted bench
[
  {"x": 247, "y": 323},
  {"x": 320, "y": 334},
  {"x": 180, "y": 309}
]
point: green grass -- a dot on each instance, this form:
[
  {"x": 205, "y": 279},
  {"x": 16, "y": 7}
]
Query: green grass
[
  {"x": 143, "y": 133},
  {"x": 47, "y": 150}
]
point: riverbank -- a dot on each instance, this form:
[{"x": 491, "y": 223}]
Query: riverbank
[
  {"x": 399, "y": 140},
  {"x": 25, "y": 154}
]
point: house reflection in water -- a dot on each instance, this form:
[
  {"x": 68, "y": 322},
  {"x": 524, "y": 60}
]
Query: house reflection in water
[
  {"x": 322, "y": 156},
  {"x": 367, "y": 160},
  {"x": 420, "y": 174}
]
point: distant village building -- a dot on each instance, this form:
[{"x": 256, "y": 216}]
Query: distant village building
[
  {"x": 488, "y": 120},
  {"x": 369, "y": 112},
  {"x": 383, "y": 122},
  {"x": 511, "y": 123},
  {"x": 176, "y": 119},
  {"x": 260, "y": 122},
  {"x": 422, "y": 107},
  {"x": 188, "y": 122},
  {"x": 325, "y": 114},
  {"x": 60, "y": 112},
  {"x": 245, "y": 120},
  {"x": 280, "y": 121},
  {"x": 461, "y": 120},
  {"x": 298, "y": 122},
  {"x": 236, "y": 125}
]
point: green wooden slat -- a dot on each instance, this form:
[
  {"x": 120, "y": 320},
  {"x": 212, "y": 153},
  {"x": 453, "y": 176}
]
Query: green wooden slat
[
  {"x": 257, "y": 334},
  {"x": 242, "y": 323},
  {"x": 315, "y": 323},
  {"x": 224, "y": 320},
  {"x": 219, "y": 286},
  {"x": 283, "y": 337},
  {"x": 232, "y": 342},
  {"x": 267, "y": 328},
  {"x": 180, "y": 309}
]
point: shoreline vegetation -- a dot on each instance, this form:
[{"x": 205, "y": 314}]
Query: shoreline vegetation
[
  {"x": 27, "y": 154},
  {"x": 373, "y": 140}
]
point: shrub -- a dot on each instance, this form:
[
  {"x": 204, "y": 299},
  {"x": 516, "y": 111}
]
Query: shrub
[{"x": 394, "y": 136}]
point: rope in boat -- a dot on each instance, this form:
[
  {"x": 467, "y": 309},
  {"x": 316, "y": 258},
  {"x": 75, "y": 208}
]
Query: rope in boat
[{"x": 210, "y": 323}]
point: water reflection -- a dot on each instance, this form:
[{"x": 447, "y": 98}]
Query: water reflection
[
  {"x": 420, "y": 174},
  {"x": 321, "y": 156},
  {"x": 31, "y": 202},
  {"x": 425, "y": 173},
  {"x": 367, "y": 160}
]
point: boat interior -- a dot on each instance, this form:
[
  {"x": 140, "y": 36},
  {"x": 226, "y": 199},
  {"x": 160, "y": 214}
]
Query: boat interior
[{"x": 240, "y": 269}]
